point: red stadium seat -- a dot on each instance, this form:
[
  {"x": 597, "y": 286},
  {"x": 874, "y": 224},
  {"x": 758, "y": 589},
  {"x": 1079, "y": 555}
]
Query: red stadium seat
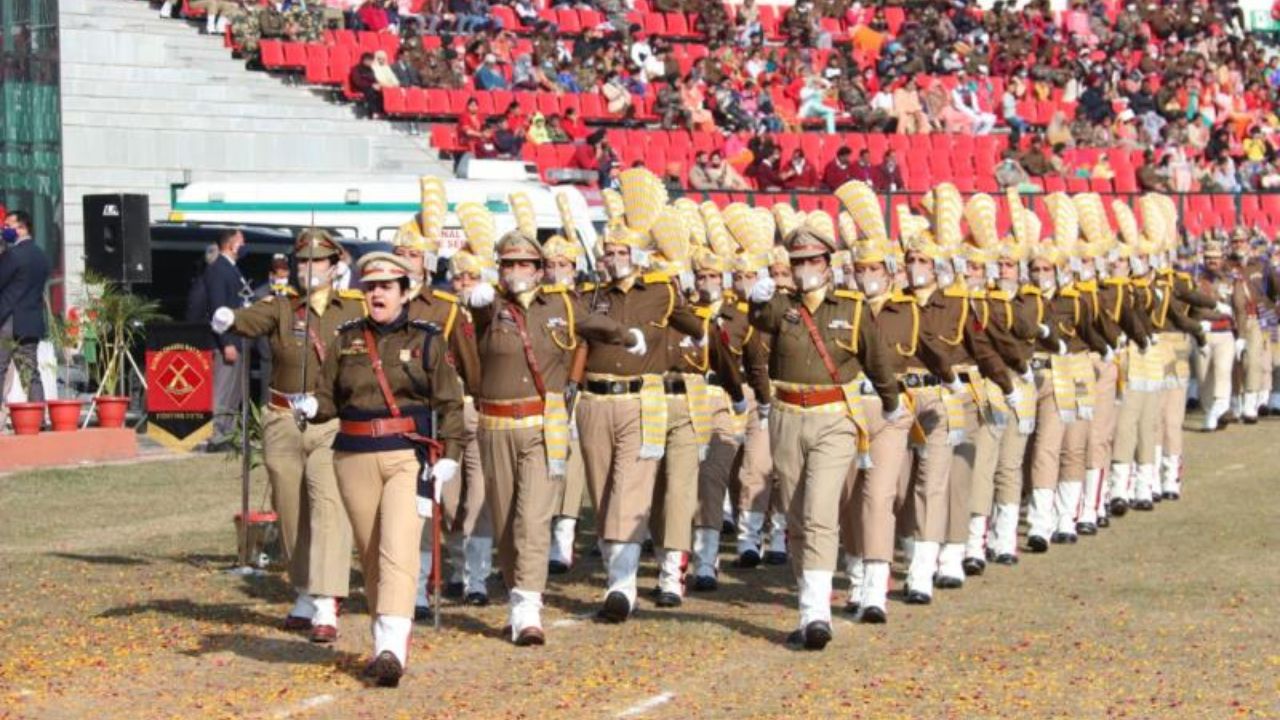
[
  {"x": 271, "y": 53},
  {"x": 395, "y": 101}
]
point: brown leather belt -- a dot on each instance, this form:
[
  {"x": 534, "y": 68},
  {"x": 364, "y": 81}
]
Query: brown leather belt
[
  {"x": 1221, "y": 325},
  {"x": 279, "y": 400},
  {"x": 515, "y": 410},
  {"x": 378, "y": 427},
  {"x": 810, "y": 397}
]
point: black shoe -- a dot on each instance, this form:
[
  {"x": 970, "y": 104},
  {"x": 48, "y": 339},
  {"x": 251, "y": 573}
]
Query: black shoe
[
  {"x": 668, "y": 600},
  {"x": 1085, "y": 528},
  {"x": 1061, "y": 538},
  {"x": 1118, "y": 507},
  {"x": 973, "y": 566},
  {"x": 555, "y": 567},
  {"x": 749, "y": 559},
  {"x": 1037, "y": 544},
  {"x": 946, "y": 582},
  {"x": 477, "y": 599},
  {"x": 1193, "y": 404},
  {"x": 1264, "y": 411},
  {"x": 873, "y": 615},
  {"x": 385, "y": 670},
  {"x": 1156, "y": 497},
  {"x": 851, "y": 607},
  {"x": 647, "y": 547},
  {"x": 773, "y": 557},
  {"x": 705, "y": 583},
  {"x": 814, "y": 636},
  {"x": 616, "y": 608},
  {"x": 1006, "y": 559},
  {"x": 1104, "y": 522},
  {"x": 728, "y": 528},
  {"x": 454, "y": 590},
  {"x": 1172, "y": 496},
  {"x": 1144, "y": 505},
  {"x": 1250, "y": 420},
  {"x": 915, "y": 597},
  {"x": 421, "y": 613}
]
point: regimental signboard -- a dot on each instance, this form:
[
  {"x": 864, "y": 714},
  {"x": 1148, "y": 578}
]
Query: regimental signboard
[{"x": 179, "y": 364}]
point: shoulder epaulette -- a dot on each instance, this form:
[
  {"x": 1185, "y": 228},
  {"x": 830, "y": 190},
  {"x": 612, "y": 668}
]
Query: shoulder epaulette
[
  {"x": 290, "y": 291},
  {"x": 850, "y": 294},
  {"x": 956, "y": 292},
  {"x": 427, "y": 325},
  {"x": 702, "y": 312},
  {"x": 586, "y": 287},
  {"x": 351, "y": 294},
  {"x": 268, "y": 298},
  {"x": 1183, "y": 276},
  {"x": 1029, "y": 289},
  {"x": 351, "y": 324},
  {"x": 655, "y": 277},
  {"x": 742, "y": 307},
  {"x": 441, "y": 294},
  {"x": 553, "y": 290},
  {"x": 998, "y": 295}
]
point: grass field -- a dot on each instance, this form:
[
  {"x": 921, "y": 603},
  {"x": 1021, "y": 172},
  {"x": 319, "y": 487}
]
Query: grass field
[{"x": 117, "y": 605}]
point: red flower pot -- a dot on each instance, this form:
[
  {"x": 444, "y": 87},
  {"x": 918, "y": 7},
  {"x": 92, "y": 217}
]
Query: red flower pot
[
  {"x": 26, "y": 417},
  {"x": 64, "y": 415},
  {"x": 111, "y": 410}
]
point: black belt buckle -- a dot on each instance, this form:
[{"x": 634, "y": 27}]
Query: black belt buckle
[
  {"x": 963, "y": 377},
  {"x": 674, "y": 387},
  {"x": 912, "y": 381},
  {"x": 617, "y": 387}
]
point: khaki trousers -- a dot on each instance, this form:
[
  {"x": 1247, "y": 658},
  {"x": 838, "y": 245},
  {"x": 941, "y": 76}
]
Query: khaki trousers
[
  {"x": 812, "y": 455},
  {"x": 960, "y": 478},
  {"x": 997, "y": 467},
  {"x": 304, "y": 492},
  {"x": 717, "y": 467},
  {"x": 1213, "y": 369},
  {"x": 930, "y": 475},
  {"x": 522, "y": 500},
  {"x": 1058, "y": 448},
  {"x": 1173, "y": 401},
  {"x": 754, "y": 476},
  {"x": 621, "y": 483},
  {"x": 675, "y": 492},
  {"x": 569, "y": 502},
  {"x": 869, "y": 494},
  {"x": 463, "y": 501},
  {"x": 379, "y": 490},
  {"x": 1136, "y": 427},
  {"x": 1257, "y": 357},
  {"x": 1102, "y": 428}
]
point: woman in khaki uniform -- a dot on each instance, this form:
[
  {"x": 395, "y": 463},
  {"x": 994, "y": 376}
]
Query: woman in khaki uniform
[{"x": 385, "y": 377}]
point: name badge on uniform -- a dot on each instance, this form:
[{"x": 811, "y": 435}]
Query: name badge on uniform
[
  {"x": 792, "y": 316},
  {"x": 355, "y": 348},
  {"x": 602, "y": 307},
  {"x": 504, "y": 316},
  {"x": 686, "y": 342},
  {"x": 839, "y": 325},
  {"x": 557, "y": 322},
  {"x": 299, "y": 328},
  {"x": 405, "y": 355}
]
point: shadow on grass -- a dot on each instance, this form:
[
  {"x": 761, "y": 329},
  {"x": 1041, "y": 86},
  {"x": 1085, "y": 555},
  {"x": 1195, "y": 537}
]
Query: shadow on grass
[
  {"x": 230, "y": 614},
  {"x": 292, "y": 651},
  {"x": 100, "y": 559}
]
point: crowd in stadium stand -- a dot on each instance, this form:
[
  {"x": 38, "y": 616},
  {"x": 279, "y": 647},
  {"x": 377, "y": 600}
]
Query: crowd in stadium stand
[{"x": 1180, "y": 80}]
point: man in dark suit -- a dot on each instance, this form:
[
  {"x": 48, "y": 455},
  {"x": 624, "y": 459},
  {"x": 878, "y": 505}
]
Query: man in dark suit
[
  {"x": 23, "y": 272},
  {"x": 226, "y": 287}
]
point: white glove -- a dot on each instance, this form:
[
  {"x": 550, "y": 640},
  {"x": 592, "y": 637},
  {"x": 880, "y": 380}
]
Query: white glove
[
  {"x": 443, "y": 473},
  {"x": 1042, "y": 330},
  {"x": 1223, "y": 309},
  {"x": 223, "y": 319},
  {"x": 1026, "y": 426},
  {"x": 1206, "y": 327},
  {"x": 306, "y": 406},
  {"x": 481, "y": 295},
  {"x": 1239, "y": 348},
  {"x": 740, "y": 406},
  {"x": 1062, "y": 348},
  {"x": 897, "y": 414},
  {"x": 1085, "y": 413},
  {"x": 1109, "y": 356},
  {"x": 762, "y": 411},
  {"x": 956, "y": 385},
  {"x": 1028, "y": 377},
  {"x": 763, "y": 291},
  {"x": 639, "y": 348},
  {"x": 1012, "y": 399}
]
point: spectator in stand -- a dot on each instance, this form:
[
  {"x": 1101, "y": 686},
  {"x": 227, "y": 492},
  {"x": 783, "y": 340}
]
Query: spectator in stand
[
  {"x": 471, "y": 127},
  {"x": 489, "y": 77},
  {"x": 406, "y": 73},
  {"x": 1009, "y": 173},
  {"x": 555, "y": 131},
  {"x": 1036, "y": 161},
  {"x": 1102, "y": 169},
  {"x": 1152, "y": 178},
  {"x": 813, "y": 102},
  {"x": 907, "y": 108},
  {"x": 888, "y": 177},
  {"x": 383, "y": 74},
  {"x": 673, "y": 179},
  {"x": 799, "y": 174},
  {"x": 525, "y": 12},
  {"x": 1009, "y": 109},
  {"x": 1223, "y": 178},
  {"x": 964, "y": 99},
  {"x": 749, "y": 27},
  {"x": 711, "y": 172},
  {"x": 765, "y": 170},
  {"x": 365, "y": 82},
  {"x": 372, "y": 15},
  {"x": 573, "y": 127},
  {"x": 507, "y": 140},
  {"x": 608, "y": 165},
  {"x": 617, "y": 97},
  {"x": 695, "y": 105},
  {"x": 839, "y": 170},
  {"x": 863, "y": 169},
  {"x": 538, "y": 133}
]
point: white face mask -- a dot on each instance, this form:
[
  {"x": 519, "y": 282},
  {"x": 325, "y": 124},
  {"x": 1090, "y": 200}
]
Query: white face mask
[
  {"x": 1137, "y": 267},
  {"x": 808, "y": 280},
  {"x": 920, "y": 278},
  {"x": 872, "y": 286},
  {"x": 1087, "y": 272},
  {"x": 945, "y": 276},
  {"x": 1009, "y": 286},
  {"x": 1047, "y": 285},
  {"x": 710, "y": 294},
  {"x": 518, "y": 283},
  {"x": 837, "y": 276},
  {"x": 620, "y": 270},
  {"x": 1064, "y": 277}
]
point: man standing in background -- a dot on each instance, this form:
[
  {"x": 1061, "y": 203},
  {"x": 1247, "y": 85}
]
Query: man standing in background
[
  {"x": 226, "y": 287},
  {"x": 23, "y": 272}
]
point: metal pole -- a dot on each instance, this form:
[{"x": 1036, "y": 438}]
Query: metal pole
[{"x": 245, "y": 449}]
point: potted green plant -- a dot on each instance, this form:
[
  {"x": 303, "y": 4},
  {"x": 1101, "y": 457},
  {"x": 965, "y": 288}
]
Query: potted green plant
[
  {"x": 65, "y": 334},
  {"x": 27, "y": 417},
  {"x": 118, "y": 319}
]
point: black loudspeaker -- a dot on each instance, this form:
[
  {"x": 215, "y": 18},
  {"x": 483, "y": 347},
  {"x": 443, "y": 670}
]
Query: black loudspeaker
[{"x": 117, "y": 237}]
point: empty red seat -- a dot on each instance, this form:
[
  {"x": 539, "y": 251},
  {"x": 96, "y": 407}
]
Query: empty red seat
[
  {"x": 272, "y": 54},
  {"x": 318, "y": 65},
  {"x": 677, "y": 25},
  {"x": 395, "y": 101}
]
